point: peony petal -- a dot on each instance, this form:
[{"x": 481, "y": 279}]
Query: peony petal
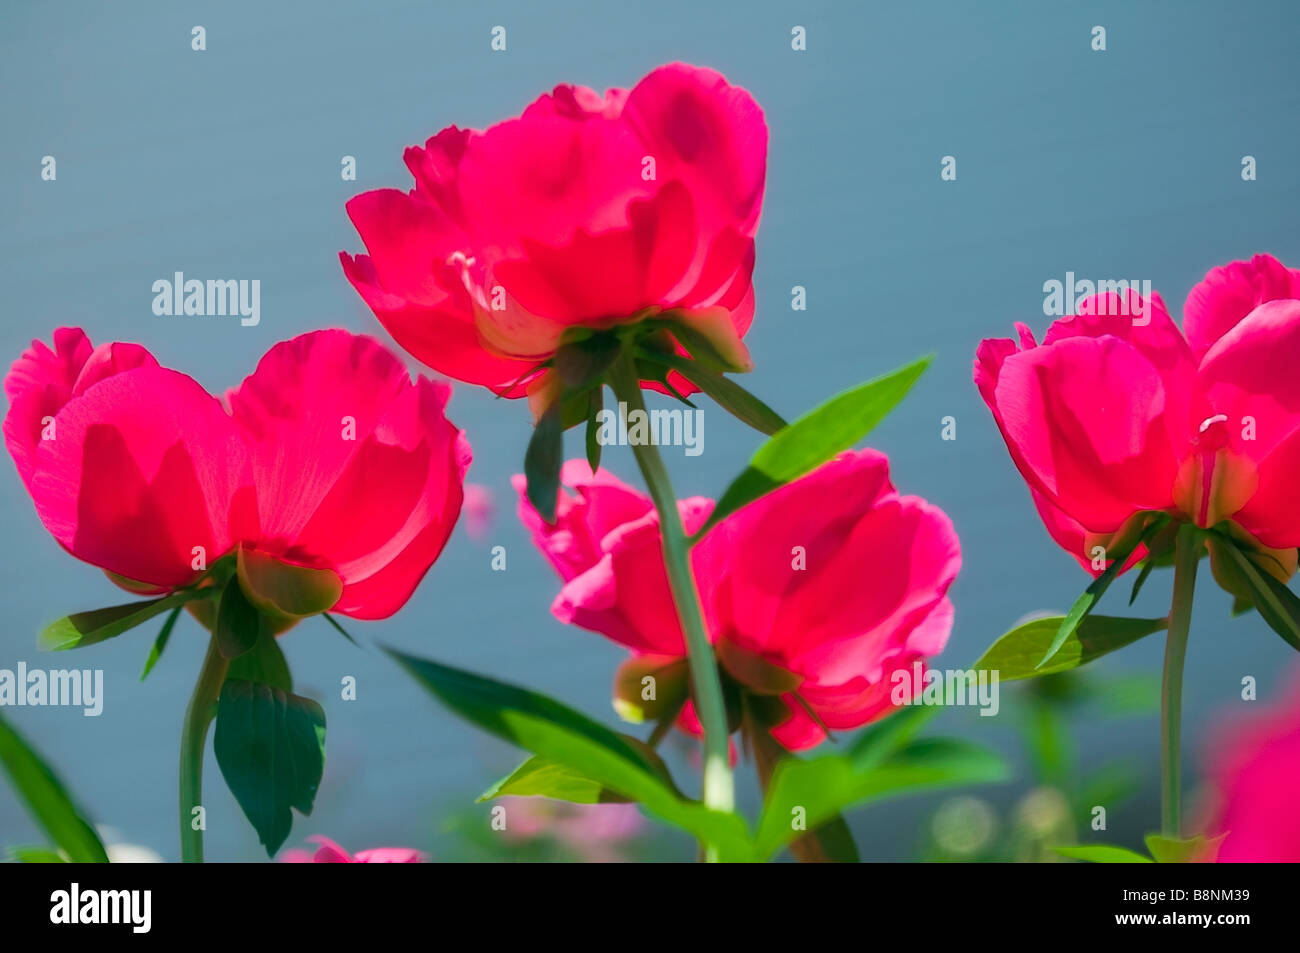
[
  {"x": 1270, "y": 514},
  {"x": 411, "y": 243},
  {"x": 1146, "y": 326},
  {"x": 786, "y": 576},
  {"x": 707, "y": 134},
  {"x": 146, "y": 469},
  {"x": 436, "y": 168},
  {"x": 542, "y": 177},
  {"x": 602, "y": 279},
  {"x": 380, "y": 583},
  {"x": 328, "y": 852},
  {"x": 767, "y": 531},
  {"x": 1085, "y": 419},
  {"x": 445, "y": 339},
  {"x": 1249, "y": 376},
  {"x": 625, "y": 595},
  {"x": 1229, "y": 293},
  {"x": 390, "y": 855},
  {"x": 38, "y": 385},
  {"x": 357, "y": 469},
  {"x": 601, "y": 503},
  {"x": 910, "y": 551}
]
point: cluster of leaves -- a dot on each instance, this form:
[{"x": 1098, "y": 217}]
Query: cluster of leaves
[
  {"x": 576, "y": 759},
  {"x": 1247, "y": 570},
  {"x": 1057, "y": 644},
  {"x": 269, "y": 742}
]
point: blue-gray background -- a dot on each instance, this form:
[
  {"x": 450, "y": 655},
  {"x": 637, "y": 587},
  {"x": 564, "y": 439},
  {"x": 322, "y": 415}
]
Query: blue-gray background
[{"x": 225, "y": 164}]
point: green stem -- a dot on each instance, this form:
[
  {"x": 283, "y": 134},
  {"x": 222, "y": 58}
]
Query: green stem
[
  {"x": 1186, "y": 557},
  {"x": 202, "y": 709},
  {"x": 719, "y": 789}
]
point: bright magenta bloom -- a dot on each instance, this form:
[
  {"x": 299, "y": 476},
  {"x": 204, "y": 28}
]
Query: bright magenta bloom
[
  {"x": 327, "y": 456},
  {"x": 1255, "y": 773},
  {"x": 586, "y": 211},
  {"x": 1116, "y": 412},
  {"x": 834, "y": 579},
  {"x": 328, "y": 852}
]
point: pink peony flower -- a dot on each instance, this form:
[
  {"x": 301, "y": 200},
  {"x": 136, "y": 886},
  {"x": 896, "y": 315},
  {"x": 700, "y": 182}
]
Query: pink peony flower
[
  {"x": 1116, "y": 413},
  {"x": 826, "y": 586},
  {"x": 596, "y": 833},
  {"x": 587, "y": 211},
  {"x": 331, "y": 853},
  {"x": 1255, "y": 774},
  {"x": 327, "y": 457}
]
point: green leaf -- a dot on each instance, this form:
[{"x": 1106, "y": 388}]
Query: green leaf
[
  {"x": 816, "y": 437},
  {"x": 729, "y": 395},
  {"x": 831, "y": 841},
  {"x": 238, "y": 621},
  {"x": 1120, "y": 696},
  {"x": 542, "y": 462},
  {"x": 87, "y": 628},
  {"x": 1277, "y": 604},
  {"x": 1084, "y": 604},
  {"x": 1147, "y": 566},
  {"x": 270, "y": 746},
  {"x": 538, "y": 777},
  {"x": 1103, "y": 854},
  {"x": 595, "y": 406},
  {"x": 886, "y": 736},
  {"x": 264, "y": 664},
  {"x": 814, "y": 791},
  {"x": 1178, "y": 850},
  {"x": 279, "y": 587},
  {"x": 36, "y": 855},
  {"x": 1017, "y": 654},
  {"x": 567, "y": 738},
  {"x": 47, "y": 799},
  {"x": 339, "y": 629},
  {"x": 1049, "y": 744},
  {"x": 160, "y": 643}
]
